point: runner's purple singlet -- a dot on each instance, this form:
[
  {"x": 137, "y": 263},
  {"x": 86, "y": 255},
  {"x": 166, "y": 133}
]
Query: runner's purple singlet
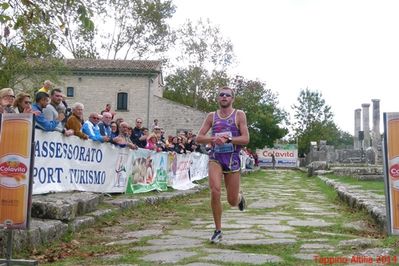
[{"x": 228, "y": 154}]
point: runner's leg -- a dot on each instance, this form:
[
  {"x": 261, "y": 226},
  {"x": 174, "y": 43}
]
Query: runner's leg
[
  {"x": 215, "y": 183},
  {"x": 232, "y": 182}
]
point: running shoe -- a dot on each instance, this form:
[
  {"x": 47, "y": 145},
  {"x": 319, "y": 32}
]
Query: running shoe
[
  {"x": 217, "y": 236},
  {"x": 242, "y": 205}
]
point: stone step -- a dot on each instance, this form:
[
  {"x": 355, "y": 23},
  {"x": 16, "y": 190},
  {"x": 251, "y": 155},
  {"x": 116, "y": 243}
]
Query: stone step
[
  {"x": 69, "y": 212},
  {"x": 360, "y": 199},
  {"x": 369, "y": 177},
  {"x": 65, "y": 206},
  {"x": 43, "y": 231},
  {"x": 349, "y": 171}
]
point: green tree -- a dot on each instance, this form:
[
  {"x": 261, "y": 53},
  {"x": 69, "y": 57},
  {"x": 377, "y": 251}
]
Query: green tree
[
  {"x": 139, "y": 29},
  {"x": 204, "y": 55},
  {"x": 33, "y": 30},
  {"x": 314, "y": 122},
  {"x": 180, "y": 86},
  {"x": 263, "y": 115},
  {"x": 311, "y": 108},
  {"x": 58, "y": 28},
  {"x": 344, "y": 141}
]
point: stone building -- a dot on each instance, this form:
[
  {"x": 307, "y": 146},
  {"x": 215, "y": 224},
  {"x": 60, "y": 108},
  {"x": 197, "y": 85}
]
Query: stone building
[{"x": 133, "y": 88}]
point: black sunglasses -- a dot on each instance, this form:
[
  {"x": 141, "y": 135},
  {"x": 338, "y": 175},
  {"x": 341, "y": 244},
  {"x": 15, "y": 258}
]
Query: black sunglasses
[{"x": 222, "y": 94}]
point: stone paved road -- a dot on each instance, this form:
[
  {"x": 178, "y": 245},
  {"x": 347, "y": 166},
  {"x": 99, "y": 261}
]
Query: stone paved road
[{"x": 289, "y": 221}]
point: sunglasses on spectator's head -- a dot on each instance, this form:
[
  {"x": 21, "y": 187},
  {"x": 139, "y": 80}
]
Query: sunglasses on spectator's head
[{"x": 222, "y": 94}]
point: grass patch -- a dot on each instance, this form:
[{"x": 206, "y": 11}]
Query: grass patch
[{"x": 374, "y": 186}]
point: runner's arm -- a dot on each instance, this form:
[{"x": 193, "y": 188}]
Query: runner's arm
[
  {"x": 242, "y": 125},
  {"x": 201, "y": 136}
]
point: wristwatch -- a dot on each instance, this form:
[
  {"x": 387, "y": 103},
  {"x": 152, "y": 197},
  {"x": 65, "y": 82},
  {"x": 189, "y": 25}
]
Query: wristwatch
[{"x": 229, "y": 140}]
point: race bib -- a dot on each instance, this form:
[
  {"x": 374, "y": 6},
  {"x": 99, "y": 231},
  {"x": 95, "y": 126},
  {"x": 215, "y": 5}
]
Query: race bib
[{"x": 224, "y": 148}]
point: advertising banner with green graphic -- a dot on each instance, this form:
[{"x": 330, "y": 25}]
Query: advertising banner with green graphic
[{"x": 148, "y": 172}]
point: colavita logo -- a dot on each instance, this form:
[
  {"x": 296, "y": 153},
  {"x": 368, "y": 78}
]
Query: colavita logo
[
  {"x": 394, "y": 170},
  {"x": 12, "y": 168},
  {"x": 279, "y": 154}
]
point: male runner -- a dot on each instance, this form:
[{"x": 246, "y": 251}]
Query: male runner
[{"x": 229, "y": 133}]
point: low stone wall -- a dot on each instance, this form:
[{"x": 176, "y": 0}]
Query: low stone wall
[
  {"x": 56, "y": 214},
  {"x": 356, "y": 170},
  {"x": 366, "y": 173},
  {"x": 359, "y": 172},
  {"x": 357, "y": 198}
]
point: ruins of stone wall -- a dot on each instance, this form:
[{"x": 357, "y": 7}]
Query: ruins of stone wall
[
  {"x": 349, "y": 156},
  {"x": 345, "y": 156}
]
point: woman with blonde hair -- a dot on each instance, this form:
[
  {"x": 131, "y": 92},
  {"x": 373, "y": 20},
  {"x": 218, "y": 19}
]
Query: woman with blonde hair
[
  {"x": 152, "y": 142},
  {"x": 23, "y": 103}
]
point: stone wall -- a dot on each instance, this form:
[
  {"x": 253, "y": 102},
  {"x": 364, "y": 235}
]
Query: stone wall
[
  {"x": 174, "y": 116},
  {"x": 98, "y": 82},
  {"x": 343, "y": 156},
  {"x": 96, "y": 91},
  {"x": 349, "y": 156},
  {"x": 324, "y": 153}
]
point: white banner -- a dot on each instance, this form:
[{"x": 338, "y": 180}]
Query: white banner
[
  {"x": 284, "y": 157},
  {"x": 70, "y": 163},
  {"x": 199, "y": 166},
  {"x": 181, "y": 178}
]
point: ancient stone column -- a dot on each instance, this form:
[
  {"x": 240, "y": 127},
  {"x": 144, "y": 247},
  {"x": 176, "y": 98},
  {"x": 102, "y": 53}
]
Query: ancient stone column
[
  {"x": 376, "y": 139},
  {"x": 366, "y": 125},
  {"x": 356, "y": 141}
]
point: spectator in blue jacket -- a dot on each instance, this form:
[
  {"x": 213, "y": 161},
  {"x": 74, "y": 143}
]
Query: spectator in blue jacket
[
  {"x": 91, "y": 129},
  {"x": 41, "y": 101}
]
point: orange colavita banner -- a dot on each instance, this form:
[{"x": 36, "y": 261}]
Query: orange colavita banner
[
  {"x": 393, "y": 156},
  {"x": 15, "y": 145}
]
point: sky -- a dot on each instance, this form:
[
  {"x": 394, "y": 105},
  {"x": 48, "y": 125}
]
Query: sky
[{"x": 348, "y": 50}]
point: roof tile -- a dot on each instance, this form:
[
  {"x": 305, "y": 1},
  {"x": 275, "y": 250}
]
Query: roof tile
[{"x": 105, "y": 64}]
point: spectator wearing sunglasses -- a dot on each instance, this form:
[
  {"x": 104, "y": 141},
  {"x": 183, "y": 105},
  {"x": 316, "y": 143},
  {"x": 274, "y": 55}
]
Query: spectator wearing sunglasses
[
  {"x": 138, "y": 136},
  {"x": 114, "y": 129},
  {"x": 91, "y": 129},
  {"x": 23, "y": 103}
]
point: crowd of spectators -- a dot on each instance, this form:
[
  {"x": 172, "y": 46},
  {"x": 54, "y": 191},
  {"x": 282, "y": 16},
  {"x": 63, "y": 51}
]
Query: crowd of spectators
[{"x": 51, "y": 113}]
